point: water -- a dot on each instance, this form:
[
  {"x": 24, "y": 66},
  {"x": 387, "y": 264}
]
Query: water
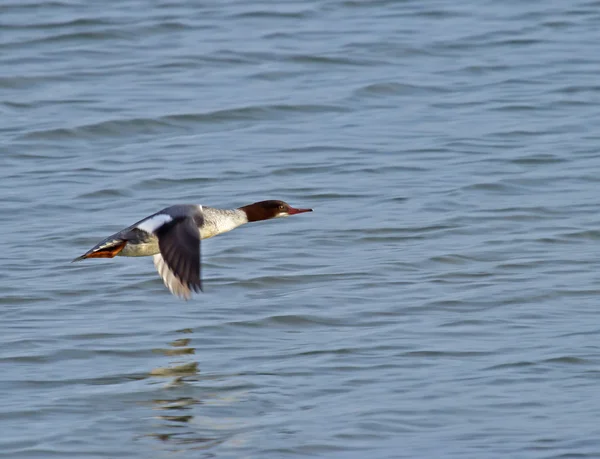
[{"x": 441, "y": 301}]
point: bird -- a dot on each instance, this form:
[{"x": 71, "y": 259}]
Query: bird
[{"x": 172, "y": 237}]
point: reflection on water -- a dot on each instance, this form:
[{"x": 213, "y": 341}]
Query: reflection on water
[
  {"x": 177, "y": 424},
  {"x": 177, "y": 369},
  {"x": 173, "y": 426}
]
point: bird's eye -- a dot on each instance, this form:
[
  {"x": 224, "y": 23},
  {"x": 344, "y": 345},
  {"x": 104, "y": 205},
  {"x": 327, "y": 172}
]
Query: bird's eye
[{"x": 281, "y": 207}]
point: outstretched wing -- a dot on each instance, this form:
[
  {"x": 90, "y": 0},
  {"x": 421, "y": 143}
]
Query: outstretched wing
[{"x": 178, "y": 262}]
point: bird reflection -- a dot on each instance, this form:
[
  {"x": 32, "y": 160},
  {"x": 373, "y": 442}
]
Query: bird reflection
[
  {"x": 178, "y": 370},
  {"x": 174, "y": 423},
  {"x": 179, "y": 423}
]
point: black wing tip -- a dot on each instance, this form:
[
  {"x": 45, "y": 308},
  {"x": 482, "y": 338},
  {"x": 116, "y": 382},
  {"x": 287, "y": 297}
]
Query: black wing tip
[{"x": 195, "y": 286}]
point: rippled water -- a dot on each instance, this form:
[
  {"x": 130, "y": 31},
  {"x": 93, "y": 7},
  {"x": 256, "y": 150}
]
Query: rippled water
[{"x": 441, "y": 301}]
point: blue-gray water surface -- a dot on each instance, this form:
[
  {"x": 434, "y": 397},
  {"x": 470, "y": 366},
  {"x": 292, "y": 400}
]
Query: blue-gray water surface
[{"x": 442, "y": 300}]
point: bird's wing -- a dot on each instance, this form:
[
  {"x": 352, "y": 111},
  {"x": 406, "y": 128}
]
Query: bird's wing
[{"x": 178, "y": 262}]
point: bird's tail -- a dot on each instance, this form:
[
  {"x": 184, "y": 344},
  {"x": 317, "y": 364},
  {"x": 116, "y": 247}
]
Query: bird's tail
[{"x": 106, "y": 249}]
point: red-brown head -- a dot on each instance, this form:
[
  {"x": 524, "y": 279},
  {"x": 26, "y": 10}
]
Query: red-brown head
[{"x": 265, "y": 210}]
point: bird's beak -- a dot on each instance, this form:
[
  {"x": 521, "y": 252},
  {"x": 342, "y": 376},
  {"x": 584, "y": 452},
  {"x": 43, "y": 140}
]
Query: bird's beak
[{"x": 292, "y": 211}]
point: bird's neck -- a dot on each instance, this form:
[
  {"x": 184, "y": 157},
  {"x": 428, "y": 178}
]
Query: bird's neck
[{"x": 217, "y": 221}]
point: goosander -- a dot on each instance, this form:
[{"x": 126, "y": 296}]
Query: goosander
[{"x": 172, "y": 236}]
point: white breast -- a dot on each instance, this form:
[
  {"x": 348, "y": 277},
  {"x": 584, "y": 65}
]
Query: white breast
[{"x": 217, "y": 221}]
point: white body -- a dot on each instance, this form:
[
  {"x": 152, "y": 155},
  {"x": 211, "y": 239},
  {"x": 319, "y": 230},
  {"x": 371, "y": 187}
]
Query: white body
[{"x": 216, "y": 221}]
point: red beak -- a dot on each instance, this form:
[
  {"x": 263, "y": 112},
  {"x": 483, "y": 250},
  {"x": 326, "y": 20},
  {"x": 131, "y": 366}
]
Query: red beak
[{"x": 292, "y": 211}]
